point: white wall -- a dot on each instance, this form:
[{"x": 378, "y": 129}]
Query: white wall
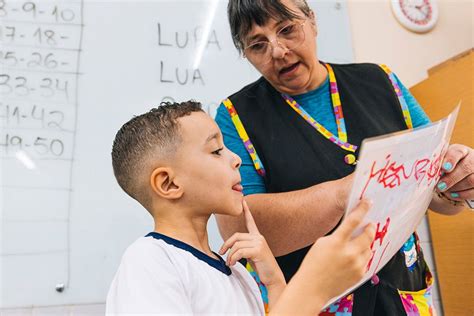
[{"x": 378, "y": 37}]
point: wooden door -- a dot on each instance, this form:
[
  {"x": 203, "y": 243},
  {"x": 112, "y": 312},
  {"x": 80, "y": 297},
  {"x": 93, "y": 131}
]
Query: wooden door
[{"x": 452, "y": 236}]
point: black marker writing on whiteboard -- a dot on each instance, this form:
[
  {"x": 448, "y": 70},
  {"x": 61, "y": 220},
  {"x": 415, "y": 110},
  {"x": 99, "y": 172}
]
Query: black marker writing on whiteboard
[
  {"x": 183, "y": 39},
  {"x": 180, "y": 76}
]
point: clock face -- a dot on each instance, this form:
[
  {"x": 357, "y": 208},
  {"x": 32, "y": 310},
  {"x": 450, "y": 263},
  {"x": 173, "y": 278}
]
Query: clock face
[
  {"x": 417, "y": 11},
  {"x": 416, "y": 15}
]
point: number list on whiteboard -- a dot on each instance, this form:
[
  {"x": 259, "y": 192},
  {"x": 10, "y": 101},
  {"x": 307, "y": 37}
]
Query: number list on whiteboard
[{"x": 40, "y": 54}]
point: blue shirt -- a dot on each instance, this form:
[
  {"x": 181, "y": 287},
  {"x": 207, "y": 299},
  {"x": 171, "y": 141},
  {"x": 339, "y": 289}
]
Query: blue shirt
[{"x": 318, "y": 104}]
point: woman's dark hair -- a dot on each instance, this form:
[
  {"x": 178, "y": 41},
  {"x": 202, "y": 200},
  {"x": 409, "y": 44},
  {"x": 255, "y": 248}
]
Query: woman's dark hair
[{"x": 243, "y": 14}]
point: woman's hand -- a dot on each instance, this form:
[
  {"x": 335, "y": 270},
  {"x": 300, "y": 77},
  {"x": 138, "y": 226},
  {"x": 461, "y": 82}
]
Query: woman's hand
[
  {"x": 457, "y": 183},
  {"x": 253, "y": 247}
]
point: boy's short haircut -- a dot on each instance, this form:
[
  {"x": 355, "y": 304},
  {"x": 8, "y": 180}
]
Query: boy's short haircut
[{"x": 145, "y": 139}]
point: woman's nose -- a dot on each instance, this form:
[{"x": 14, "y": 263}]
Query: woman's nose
[{"x": 278, "y": 50}]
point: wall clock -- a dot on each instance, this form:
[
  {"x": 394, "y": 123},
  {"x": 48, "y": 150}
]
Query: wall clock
[{"x": 416, "y": 15}]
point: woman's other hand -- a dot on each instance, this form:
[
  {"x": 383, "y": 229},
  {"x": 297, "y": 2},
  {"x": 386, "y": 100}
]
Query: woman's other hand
[{"x": 457, "y": 183}]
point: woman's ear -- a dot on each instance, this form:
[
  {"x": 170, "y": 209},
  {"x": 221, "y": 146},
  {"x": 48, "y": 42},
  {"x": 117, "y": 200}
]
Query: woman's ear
[{"x": 162, "y": 181}]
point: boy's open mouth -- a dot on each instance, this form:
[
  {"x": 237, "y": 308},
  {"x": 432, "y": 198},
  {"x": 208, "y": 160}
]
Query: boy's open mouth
[{"x": 238, "y": 187}]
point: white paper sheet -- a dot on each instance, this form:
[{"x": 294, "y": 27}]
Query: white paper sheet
[{"x": 398, "y": 173}]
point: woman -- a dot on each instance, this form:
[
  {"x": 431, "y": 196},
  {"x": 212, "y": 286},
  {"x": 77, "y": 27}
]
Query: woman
[{"x": 298, "y": 129}]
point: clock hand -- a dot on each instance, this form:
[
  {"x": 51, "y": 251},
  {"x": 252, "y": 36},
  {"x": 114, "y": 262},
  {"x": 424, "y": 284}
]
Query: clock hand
[{"x": 420, "y": 8}]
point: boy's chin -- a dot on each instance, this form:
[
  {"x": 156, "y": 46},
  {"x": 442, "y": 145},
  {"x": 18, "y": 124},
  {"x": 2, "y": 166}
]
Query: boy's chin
[
  {"x": 234, "y": 211},
  {"x": 238, "y": 211}
]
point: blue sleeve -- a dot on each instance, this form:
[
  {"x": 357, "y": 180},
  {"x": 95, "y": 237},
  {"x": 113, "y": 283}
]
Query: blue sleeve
[
  {"x": 418, "y": 116},
  {"x": 251, "y": 180}
]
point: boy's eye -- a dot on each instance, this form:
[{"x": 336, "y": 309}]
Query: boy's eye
[{"x": 218, "y": 152}]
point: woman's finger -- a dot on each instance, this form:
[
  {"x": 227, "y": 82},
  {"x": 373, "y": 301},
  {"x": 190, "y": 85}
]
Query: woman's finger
[
  {"x": 458, "y": 164},
  {"x": 454, "y": 154},
  {"x": 461, "y": 195},
  {"x": 465, "y": 184}
]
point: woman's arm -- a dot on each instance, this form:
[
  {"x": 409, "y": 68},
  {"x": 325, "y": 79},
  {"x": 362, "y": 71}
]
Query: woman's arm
[
  {"x": 332, "y": 265},
  {"x": 293, "y": 220}
]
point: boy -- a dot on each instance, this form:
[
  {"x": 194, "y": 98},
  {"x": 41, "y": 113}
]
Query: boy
[{"x": 172, "y": 160}]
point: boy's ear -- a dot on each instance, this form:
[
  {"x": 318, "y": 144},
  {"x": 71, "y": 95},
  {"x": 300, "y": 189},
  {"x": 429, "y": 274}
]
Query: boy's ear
[{"x": 163, "y": 184}]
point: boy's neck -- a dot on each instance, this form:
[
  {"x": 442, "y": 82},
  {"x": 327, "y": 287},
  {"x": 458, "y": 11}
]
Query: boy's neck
[{"x": 192, "y": 231}]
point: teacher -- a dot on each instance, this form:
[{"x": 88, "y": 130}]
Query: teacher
[{"x": 298, "y": 130}]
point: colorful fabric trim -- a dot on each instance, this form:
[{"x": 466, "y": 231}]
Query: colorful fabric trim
[
  {"x": 342, "y": 307},
  {"x": 341, "y": 139},
  {"x": 261, "y": 286},
  {"x": 321, "y": 129},
  {"x": 398, "y": 92},
  {"x": 419, "y": 303},
  {"x": 245, "y": 138},
  {"x": 336, "y": 104}
]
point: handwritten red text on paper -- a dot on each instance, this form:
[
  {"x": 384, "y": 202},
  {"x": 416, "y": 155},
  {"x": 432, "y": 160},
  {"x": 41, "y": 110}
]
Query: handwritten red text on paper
[{"x": 394, "y": 174}]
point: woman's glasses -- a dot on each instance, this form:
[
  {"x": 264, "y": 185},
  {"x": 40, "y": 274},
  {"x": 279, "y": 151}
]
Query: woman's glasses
[{"x": 290, "y": 37}]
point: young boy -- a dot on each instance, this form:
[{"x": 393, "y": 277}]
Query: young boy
[{"x": 172, "y": 160}]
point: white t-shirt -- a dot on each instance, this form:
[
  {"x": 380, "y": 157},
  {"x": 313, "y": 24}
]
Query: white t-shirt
[{"x": 161, "y": 275}]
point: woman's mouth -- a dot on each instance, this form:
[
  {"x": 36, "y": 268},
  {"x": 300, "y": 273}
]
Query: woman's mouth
[{"x": 289, "y": 70}]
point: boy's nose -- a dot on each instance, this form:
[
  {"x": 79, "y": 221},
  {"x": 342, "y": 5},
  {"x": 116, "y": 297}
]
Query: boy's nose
[{"x": 237, "y": 161}]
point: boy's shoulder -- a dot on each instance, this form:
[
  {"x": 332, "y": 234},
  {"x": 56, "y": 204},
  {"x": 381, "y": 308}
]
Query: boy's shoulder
[
  {"x": 143, "y": 246},
  {"x": 153, "y": 252},
  {"x": 146, "y": 272},
  {"x": 149, "y": 258},
  {"x": 147, "y": 249}
]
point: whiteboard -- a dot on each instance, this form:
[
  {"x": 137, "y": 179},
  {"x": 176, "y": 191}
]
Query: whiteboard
[{"x": 72, "y": 73}]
